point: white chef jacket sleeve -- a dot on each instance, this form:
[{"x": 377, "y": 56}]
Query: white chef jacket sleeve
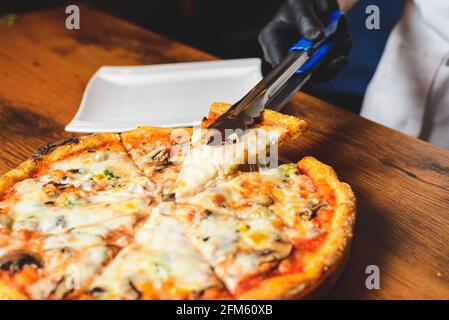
[{"x": 400, "y": 93}]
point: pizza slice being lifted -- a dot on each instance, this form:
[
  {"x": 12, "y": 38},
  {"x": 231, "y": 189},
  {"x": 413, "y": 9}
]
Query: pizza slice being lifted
[{"x": 181, "y": 164}]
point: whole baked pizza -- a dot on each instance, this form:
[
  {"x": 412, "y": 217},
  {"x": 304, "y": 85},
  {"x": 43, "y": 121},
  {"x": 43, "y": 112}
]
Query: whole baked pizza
[{"x": 159, "y": 214}]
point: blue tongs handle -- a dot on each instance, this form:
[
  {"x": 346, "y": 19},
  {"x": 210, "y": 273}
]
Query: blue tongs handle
[{"x": 319, "y": 51}]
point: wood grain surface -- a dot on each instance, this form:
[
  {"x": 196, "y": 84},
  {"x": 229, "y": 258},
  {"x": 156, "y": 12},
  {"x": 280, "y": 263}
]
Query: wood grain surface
[{"x": 402, "y": 184}]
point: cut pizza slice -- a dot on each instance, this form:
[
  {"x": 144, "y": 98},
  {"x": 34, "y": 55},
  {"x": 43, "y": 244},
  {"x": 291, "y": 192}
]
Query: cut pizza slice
[
  {"x": 205, "y": 164},
  {"x": 78, "y": 184},
  {"x": 58, "y": 266},
  {"x": 234, "y": 247},
  {"x": 312, "y": 210},
  {"x": 159, "y": 153},
  {"x": 288, "y": 127},
  {"x": 180, "y": 164},
  {"x": 74, "y": 203},
  {"x": 283, "y": 191},
  {"x": 160, "y": 264}
]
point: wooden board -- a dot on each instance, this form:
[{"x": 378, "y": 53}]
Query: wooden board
[{"x": 402, "y": 184}]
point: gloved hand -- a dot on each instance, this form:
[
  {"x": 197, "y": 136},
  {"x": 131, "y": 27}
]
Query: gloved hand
[{"x": 298, "y": 19}]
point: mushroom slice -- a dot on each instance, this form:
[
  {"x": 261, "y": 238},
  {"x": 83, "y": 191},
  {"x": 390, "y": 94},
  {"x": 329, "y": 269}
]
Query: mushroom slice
[
  {"x": 279, "y": 250},
  {"x": 15, "y": 260}
]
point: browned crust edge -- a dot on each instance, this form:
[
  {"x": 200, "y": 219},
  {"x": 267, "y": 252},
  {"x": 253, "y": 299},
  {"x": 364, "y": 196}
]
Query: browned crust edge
[
  {"x": 53, "y": 152},
  {"x": 149, "y": 131},
  {"x": 326, "y": 266},
  {"x": 154, "y": 135},
  {"x": 293, "y": 125}
]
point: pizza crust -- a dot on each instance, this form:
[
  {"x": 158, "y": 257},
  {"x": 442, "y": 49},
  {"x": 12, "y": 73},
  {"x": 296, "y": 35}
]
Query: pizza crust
[
  {"x": 293, "y": 126},
  {"x": 331, "y": 256},
  {"x": 155, "y": 135},
  {"x": 54, "y": 152},
  {"x": 268, "y": 119}
]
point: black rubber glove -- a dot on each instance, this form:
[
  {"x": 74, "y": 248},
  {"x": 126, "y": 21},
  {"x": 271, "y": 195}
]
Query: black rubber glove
[{"x": 298, "y": 19}]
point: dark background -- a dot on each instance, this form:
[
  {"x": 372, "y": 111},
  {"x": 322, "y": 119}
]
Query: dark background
[{"x": 229, "y": 29}]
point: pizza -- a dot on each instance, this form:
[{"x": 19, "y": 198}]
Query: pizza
[{"x": 158, "y": 213}]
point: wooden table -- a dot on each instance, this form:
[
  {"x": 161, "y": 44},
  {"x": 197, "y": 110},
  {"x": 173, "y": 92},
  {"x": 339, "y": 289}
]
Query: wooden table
[{"x": 402, "y": 184}]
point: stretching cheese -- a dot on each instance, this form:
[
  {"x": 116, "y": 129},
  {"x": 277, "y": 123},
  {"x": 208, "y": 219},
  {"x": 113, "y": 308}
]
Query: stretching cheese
[{"x": 204, "y": 165}]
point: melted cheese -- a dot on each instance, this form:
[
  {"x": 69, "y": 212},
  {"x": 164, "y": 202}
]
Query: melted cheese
[
  {"x": 92, "y": 166},
  {"x": 90, "y": 189},
  {"x": 275, "y": 191},
  {"x": 234, "y": 247},
  {"x": 69, "y": 270},
  {"x": 160, "y": 264},
  {"x": 88, "y": 204},
  {"x": 159, "y": 162},
  {"x": 70, "y": 261},
  {"x": 204, "y": 165},
  {"x": 82, "y": 206}
]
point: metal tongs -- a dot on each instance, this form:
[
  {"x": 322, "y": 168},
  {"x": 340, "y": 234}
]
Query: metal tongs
[{"x": 279, "y": 85}]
